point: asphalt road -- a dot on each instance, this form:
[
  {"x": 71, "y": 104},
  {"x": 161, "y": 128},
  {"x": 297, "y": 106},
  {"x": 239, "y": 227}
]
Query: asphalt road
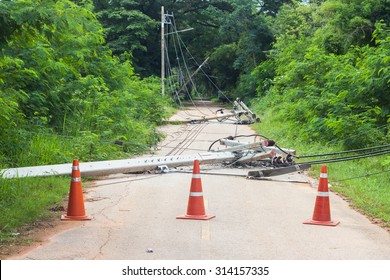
[{"x": 134, "y": 216}]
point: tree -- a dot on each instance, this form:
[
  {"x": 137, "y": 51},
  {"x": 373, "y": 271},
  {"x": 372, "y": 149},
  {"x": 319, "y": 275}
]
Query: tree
[
  {"x": 329, "y": 71},
  {"x": 272, "y": 7},
  {"x": 58, "y": 77},
  {"x": 127, "y": 27},
  {"x": 245, "y": 36}
]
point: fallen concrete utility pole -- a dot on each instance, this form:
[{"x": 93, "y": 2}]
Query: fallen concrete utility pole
[
  {"x": 116, "y": 166},
  {"x": 220, "y": 116},
  {"x": 240, "y": 111},
  {"x": 142, "y": 164},
  {"x": 277, "y": 171},
  {"x": 237, "y": 152},
  {"x": 267, "y": 148},
  {"x": 240, "y": 106}
]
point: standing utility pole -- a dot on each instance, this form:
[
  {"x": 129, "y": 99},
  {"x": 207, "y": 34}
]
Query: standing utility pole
[{"x": 162, "y": 51}]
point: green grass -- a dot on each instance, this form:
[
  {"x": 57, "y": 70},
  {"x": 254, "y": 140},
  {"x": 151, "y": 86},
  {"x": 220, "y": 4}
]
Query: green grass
[
  {"x": 364, "y": 183},
  {"x": 23, "y": 201}
]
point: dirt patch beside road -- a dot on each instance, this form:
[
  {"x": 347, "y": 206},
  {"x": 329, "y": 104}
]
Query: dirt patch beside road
[
  {"x": 39, "y": 233},
  {"x": 33, "y": 235}
]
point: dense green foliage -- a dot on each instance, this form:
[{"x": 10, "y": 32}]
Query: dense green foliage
[
  {"x": 59, "y": 79},
  {"x": 325, "y": 86},
  {"x": 329, "y": 71},
  {"x": 23, "y": 201},
  {"x": 63, "y": 95},
  {"x": 363, "y": 183},
  {"x": 234, "y": 34},
  {"x": 129, "y": 29}
]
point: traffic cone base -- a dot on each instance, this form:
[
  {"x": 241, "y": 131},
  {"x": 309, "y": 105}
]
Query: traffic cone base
[
  {"x": 321, "y": 223},
  {"x": 76, "y": 218},
  {"x": 196, "y": 217}
]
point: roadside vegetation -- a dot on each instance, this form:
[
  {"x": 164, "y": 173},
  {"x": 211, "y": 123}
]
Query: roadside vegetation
[
  {"x": 64, "y": 96},
  {"x": 325, "y": 88},
  {"x": 78, "y": 80},
  {"x": 364, "y": 183}
]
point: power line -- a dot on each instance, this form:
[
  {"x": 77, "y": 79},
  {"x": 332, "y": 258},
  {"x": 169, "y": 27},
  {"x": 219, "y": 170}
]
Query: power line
[
  {"x": 178, "y": 50},
  {"x": 363, "y": 176},
  {"x": 211, "y": 81},
  {"x": 183, "y": 67},
  {"x": 341, "y": 159},
  {"x": 344, "y": 152}
]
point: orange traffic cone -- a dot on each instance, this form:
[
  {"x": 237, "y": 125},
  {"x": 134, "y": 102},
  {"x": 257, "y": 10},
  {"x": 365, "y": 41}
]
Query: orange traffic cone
[
  {"x": 321, "y": 215},
  {"x": 76, "y": 210},
  {"x": 195, "y": 209}
]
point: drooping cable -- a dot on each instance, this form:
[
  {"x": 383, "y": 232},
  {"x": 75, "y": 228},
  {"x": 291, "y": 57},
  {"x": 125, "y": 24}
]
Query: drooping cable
[
  {"x": 208, "y": 77},
  {"x": 199, "y": 67},
  {"x": 180, "y": 44},
  {"x": 345, "y": 152},
  {"x": 355, "y": 157},
  {"x": 170, "y": 73},
  {"x": 179, "y": 53},
  {"x": 362, "y": 176}
]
